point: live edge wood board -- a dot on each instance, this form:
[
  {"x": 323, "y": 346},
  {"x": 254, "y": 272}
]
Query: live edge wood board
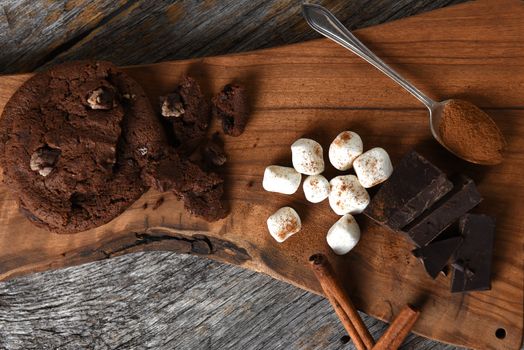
[{"x": 316, "y": 89}]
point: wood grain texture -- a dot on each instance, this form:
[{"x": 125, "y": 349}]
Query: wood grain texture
[
  {"x": 409, "y": 68},
  {"x": 162, "y": 300},
  {"x": 129, "y": 32},
  {"x": 295, "y": 89},
  {"x": 34, "y": 32}
]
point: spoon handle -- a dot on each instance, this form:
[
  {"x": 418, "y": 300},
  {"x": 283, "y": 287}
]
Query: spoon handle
[{"x": 324, "y": 22}]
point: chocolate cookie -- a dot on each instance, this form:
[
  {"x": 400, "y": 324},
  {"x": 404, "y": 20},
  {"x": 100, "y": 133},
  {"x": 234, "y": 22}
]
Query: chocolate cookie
[{"x": 75, "y": 142}]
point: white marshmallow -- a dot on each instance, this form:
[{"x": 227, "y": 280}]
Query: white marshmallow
[
  {"x": 343, "y": 235},
  {"x": 316, "y": 188},
  {"x": 373, "y": 167},
  {"x": 284, "y": 223},
  {"x": 344, "y": 149},
  {"x": 307, "y": 157},
  {"x": 281, "y": 179},
  {"x": 347, "y": 195}
]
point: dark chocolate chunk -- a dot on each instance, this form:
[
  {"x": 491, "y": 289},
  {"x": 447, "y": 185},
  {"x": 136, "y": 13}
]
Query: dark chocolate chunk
[
  {"x": 472, "y": 260},
  {"x": 453, "y": 205},
  {"x": 230, "y": 105},
  {"x": 435, "y": 256},
  {"x": 414, "y": 186}
]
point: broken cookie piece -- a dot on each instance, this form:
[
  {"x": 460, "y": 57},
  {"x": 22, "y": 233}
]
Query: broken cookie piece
[
  {"x": 201, "y": 191},
  {"x": 230, "y": 105},
  {"x": 188, "y": 111},
  {"x": 207, "y": 204}
]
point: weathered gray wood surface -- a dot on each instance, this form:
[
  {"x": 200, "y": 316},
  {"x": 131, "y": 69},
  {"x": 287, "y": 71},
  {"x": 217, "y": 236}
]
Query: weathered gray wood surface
[
  {"x": 163, "y": 300},
  {"x": 35, "y": 33},
  {"x": 168, "y": 301}
]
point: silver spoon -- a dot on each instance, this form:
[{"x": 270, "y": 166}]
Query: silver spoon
[{"x": 324, "y": 22}]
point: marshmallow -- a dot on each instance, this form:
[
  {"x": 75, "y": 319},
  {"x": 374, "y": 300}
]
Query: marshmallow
[
  {"x": 343, "y": 235},
  {"x": 344, "y": 149},
  {"x": 316, "y": 188},
  {"x": 281, "y": 179},
  {"x": 283, "y": 224},
  {"x": 347, "y": 195},
  {"x": 307, "y": 157},
  {"x": 373, "y": 167}
]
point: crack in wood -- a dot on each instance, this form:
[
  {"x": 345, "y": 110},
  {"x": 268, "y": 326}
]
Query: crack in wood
[
  {"x": 197, "y": 244},
  {"x": 69, "y": 44}
]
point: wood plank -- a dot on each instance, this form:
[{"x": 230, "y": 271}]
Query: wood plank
[
  {"x": 33, "y": 32},
  {"x": 166, "y": 301},
  {"x": 299, "y": 86},
  {"x": 36, "y": 33}
]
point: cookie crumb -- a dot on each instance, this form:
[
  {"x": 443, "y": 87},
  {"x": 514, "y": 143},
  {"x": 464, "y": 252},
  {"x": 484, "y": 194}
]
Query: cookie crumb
[{"x": 188, "y": 110}]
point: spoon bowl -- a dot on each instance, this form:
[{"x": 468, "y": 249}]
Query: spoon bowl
[
  {"x": 435, "y": 119},
  {"x": 466, "y": 131}
]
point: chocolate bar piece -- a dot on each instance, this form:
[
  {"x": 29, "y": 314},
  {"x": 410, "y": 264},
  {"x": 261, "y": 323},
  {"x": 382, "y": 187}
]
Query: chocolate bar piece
[
  {"x": 412, "y": 188},
  {"x": 446, "y": 211},
  {"x": 435, "y": 256},
  {"x": 472, "y": 260}
]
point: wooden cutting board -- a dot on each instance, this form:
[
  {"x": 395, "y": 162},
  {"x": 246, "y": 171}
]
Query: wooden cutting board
[{"x": 316, "y": 89}]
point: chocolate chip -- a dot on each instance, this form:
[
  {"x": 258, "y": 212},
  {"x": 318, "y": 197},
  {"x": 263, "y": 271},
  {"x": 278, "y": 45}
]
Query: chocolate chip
[
  {"x": 44, "y": 159},
  {"x": 101, "y": 98},
  {"x": 172, "y": 106}
]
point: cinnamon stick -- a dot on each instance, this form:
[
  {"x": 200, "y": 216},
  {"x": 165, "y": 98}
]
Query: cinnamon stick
[
  {"x": 346, "y": 322},
  {"x": 398, "y": 330},
  {"x": 341, "y": 303}
]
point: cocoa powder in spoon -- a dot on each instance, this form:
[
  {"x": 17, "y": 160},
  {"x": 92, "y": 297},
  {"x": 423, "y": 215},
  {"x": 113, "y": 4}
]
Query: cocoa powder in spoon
[{"x": 470, "y": 133}]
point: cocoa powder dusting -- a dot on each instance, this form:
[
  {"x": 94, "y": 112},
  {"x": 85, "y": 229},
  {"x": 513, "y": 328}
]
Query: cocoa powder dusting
[{"x": 470, "y": 133}]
